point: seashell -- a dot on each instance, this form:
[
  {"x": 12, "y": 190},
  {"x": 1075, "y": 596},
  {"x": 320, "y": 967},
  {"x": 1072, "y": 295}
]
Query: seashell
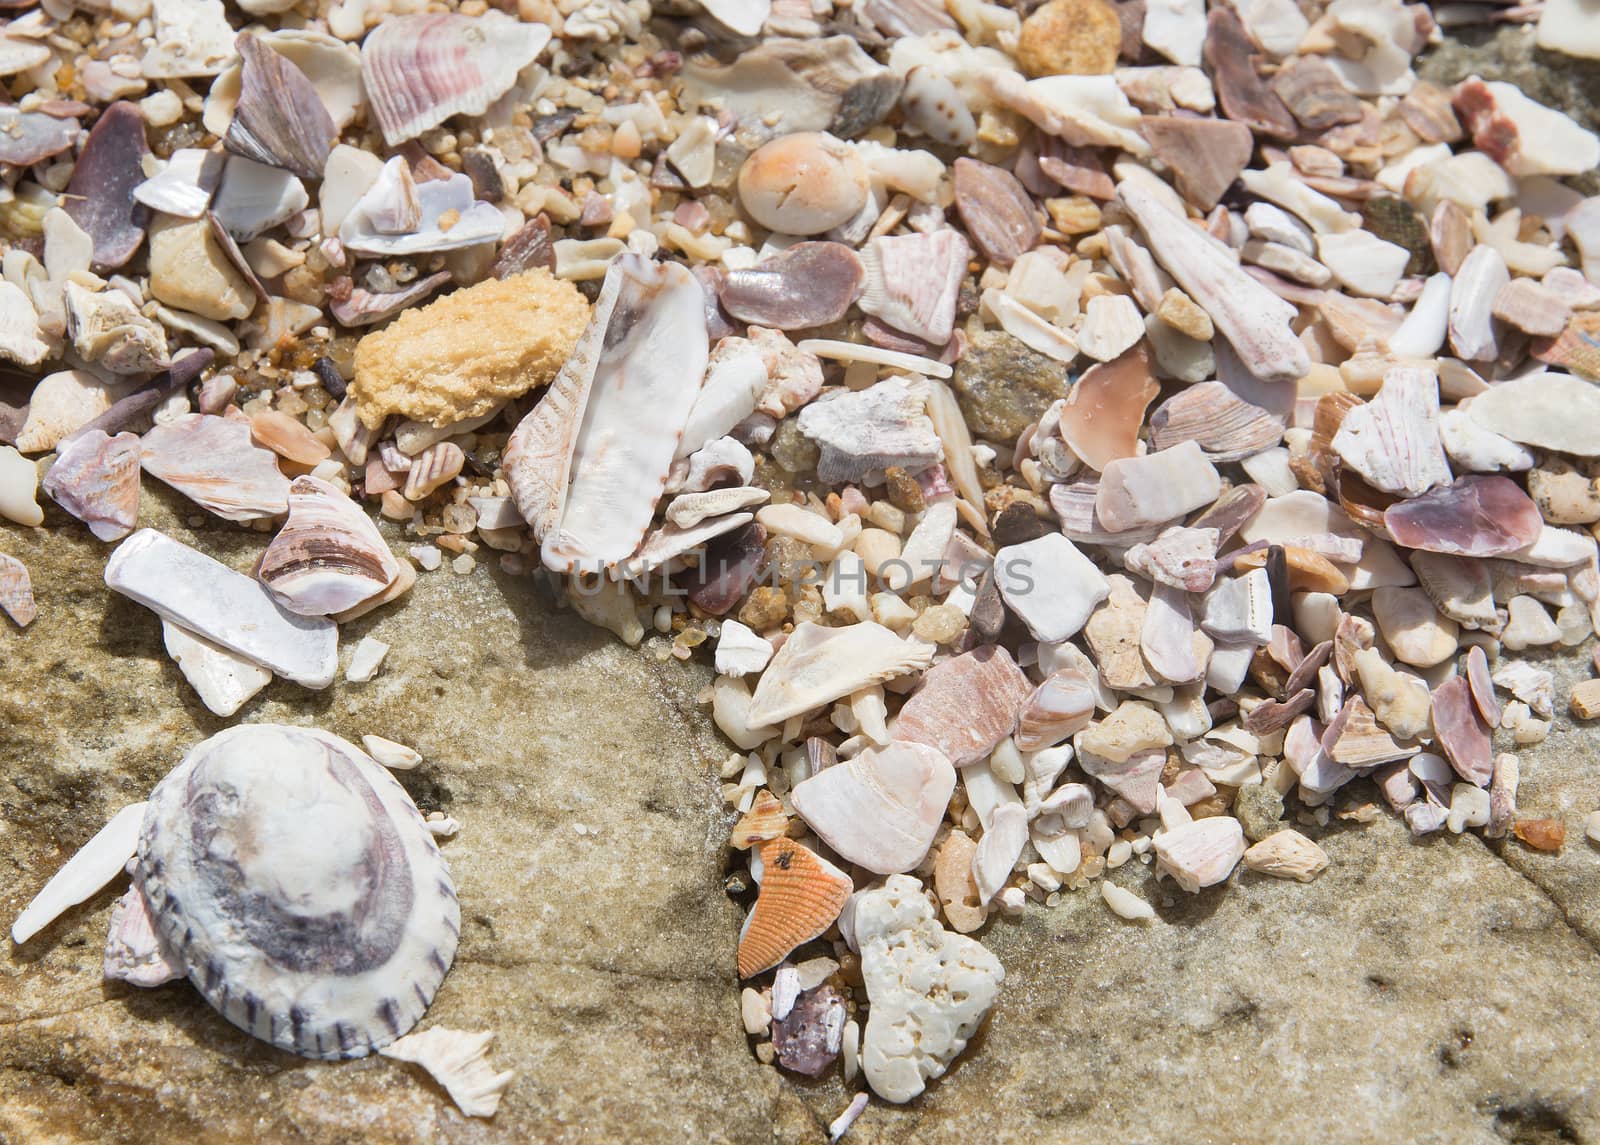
[
  {"x": 449, "y": 219},
  {"x": 192, "y": 38},
  {"x": 1242, "y": 93},
  {"x": 881, "y": 809},
  {"x": 96, "y": 479},
  {"x": 527, "y": 249},
  {"x": 20, "y": 340},
  {"x": 1532, "y": 307},
  {"x": 1287, "y": 854},
  {"x": 214, "y": 462},
  {"x": 742, "y": 17},
  {"x": 954, "y": 885},
  {"x": 668, "y": 542},
  {"x": 457, "y": 1061},
  {"x": 1393, "y": 440},
  {"x": 278, "y": 118},
  {"x": 1029, "y": 328},
  {"x": 391, "y": 205},
  {"x": 1205, "y": 155},
  {"x": 933, "y": 105},
  {"x": 94, "y": 865},
  {"x": 107, "y": 328},
  {"x": 1111, "y": 325},
  {"x": 1533, "y": 686},
  {"x": 805, "y": 285},
  {"x": 1461, "y": 733},
  {"x": 1056, "y": 709},
  {"x": 801, "y": 896},
  {"x": 132, "y": 953},
  {"x": 1476, "y": 516},
  {"x": 433, "y": 468},
  {"x": 1239, "y": 609},
  {"x": 16, "y": 598},
  {"x": 253, "y": 198},
  {"x": 387, "y": 953},
  {"x": 912, "y": 282},
  {"x": 766, "y": 820},
  {"x": 727, "y": 570},
  {"x": 420, "y": 70},
  {"x": 1472, "y": 293},
  {"x": 1482, "y": 686},
  {"x": 1549, "y": 410},
  {"x": 1461, "y": 588},
  {"x": 1136, "y": 779},
  {"x": 736, "y": 378},
  {"x": 589, "y": 462},
  {"x": 62, "y": 403},
  {"x": 185, "y": 185},
  {"x": 966, "y": 705},
  {"x": 328, "y": 557},
  {"x": 1050, "y": 585},
  {"x": 225, "y": 607},
  {"x": 720, "y": 462},
  {"x": 803, "y": 184},
  {"x": 29, "y": 137},
  {"x": 1314, "y": 94},
  {"x": 223, "y": 681},
  {"x": 19, "y": 486},
  {"x": 1255, "y": 321},
  {"x": 362, "y": 307},
  {"x": 1172, "y": 647},
  {"x": 999, "y": 215},
  {"x": 690, "y": 509},
  {"x": 1524, "y": 137},
  {"x": 1105, "y": 409},
  {"x": 1180, "y": 558},
  {"x": 1224, "y": 425},
  {"x": 818, "y": 665},
  {"x": 1355, "y": 739},
  {"x": 855, "y": 352},
  {"x": 332, "y": 66},
  {"x": 1073, "y": 504},
  {"x": 1156, "y": 488},
  {"x": 999, "y": 850},
  {"x": 789, "y": 85},
  {"x": 863, "y": 433},
  {"x": 100, "y": 196},
  {"x": 1363, "y": 263}
]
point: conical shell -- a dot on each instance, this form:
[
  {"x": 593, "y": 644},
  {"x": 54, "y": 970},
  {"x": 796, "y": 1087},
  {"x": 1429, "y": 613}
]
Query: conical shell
[
  {"x": 295, "y": 880},
  {"x": 328, "y": 556},
  {"x": 420, "y": 70},
  {"x": 96, "y": 479},
  {"x": 801, "y": 894}
]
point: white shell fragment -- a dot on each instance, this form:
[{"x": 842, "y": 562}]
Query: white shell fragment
[
  {"x": 213, "y": 461},
  {"x": 862, "y": 434},
  {"x": 740, "y": 651},
  {"x": 913, "y": 280},
  {"x": 95, "y": 864},
  {"x": 929, "y": 988},
  {"x": 223, "y": 681},
  {"x": 881, "y": 808},
  {"x": 818, "y": 665},
  {"x": 1050, "y": 585},
  {"x": 1547, "y": 409},
  {"x": 366, "y": 660},
  {"x": 1159, "y": 487},
  {"x": 1393, "y": 440},
  {"x": 228, "y": 608},
  {"x": 458, "y": 1061},
  {"x": 1201, "y": 853}
]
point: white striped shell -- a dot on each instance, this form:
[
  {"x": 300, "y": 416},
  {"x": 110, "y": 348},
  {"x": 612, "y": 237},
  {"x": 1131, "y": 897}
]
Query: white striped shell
[
  {"x": 329, "y": 556},
  {"x": 420, "y": 70},
  {"x": 293, "y": 880}
]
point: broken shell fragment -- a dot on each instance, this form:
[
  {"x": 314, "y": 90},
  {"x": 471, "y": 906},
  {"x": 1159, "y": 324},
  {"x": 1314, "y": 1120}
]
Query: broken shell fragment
[
  {"x": 997, "y": 211},
  {"x": 328, "y": 557},
  {"x": 457, "y": 1060},
  {"x": 279, "y": 120},
  {"x": 96, "y": 479},
  {"x": 1461, "y": 733},
  {"x": 223, "y": 680},
  {"x": 1105, "y": 408},
  {"x": 1050, "y": 585},
  {"x": 1524, "y": 137},
  {"x": 1476, "y": 517},
  {"x": 1287, "y": 854},
  {"x": 16, "y": 591},
  {"x": 1549, "y": 410},
  {"x": 912, "y": 282},
  {"x": 214, "y": 462},
  {"x": 818, "y": 665},
  {"x": 100, "y": 196},
  {"x": 1159, "y": 487},
  {"x": 1225, "y": 426},
  {"x": 965, "y": 705},
  {"x": 422, "y": 69},
  {"x": 865, "y": 433},
  {"x": 882, "y": 808},
  {"x": 801, "y": 894},
  {"x": 1058, "y": 708},
  {"x": 1200, "y": 853},
  {"x": 805, "y": 285},
  {"x": 1393, "y": 440},
  {"x": 803, "y": 184}
]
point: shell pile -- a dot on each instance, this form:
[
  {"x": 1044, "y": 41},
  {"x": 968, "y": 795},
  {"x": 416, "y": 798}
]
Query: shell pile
[{"x": 1084, "y": 441}]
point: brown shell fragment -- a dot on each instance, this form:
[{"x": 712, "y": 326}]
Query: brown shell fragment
[
  {"x": 766, "y": 820},
  {"x": 801, "y": 895},
  {"x": 100, "y": 196},
  {"x": 1314, "y": 93},
  {"x": 1228, "y": 514},
  {"x": 528, "y": 249},
  {"x": 966, "y": 705},
  {"x": 1461, "y": 732},
  {"x": 1483, "y": 697},
  {"x": 808, "y": 1038},
  {"x": 279, "y": 119},
  {"x": 1206, "y": 155},
  {"x": 1105, "y": 408},
  {"x": 16, "y": 591},
  {"x": 728, "y": 567},
  {"x": 809, "y": 284},
  {"x": 1243, "y": 94},
  {"x": 1356, "y": 739},
  {"x": 998, "y": 214},
  {"x": 1476, "y": 516}
]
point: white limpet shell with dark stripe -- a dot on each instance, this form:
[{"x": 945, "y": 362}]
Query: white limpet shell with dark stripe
[{"x": 292, "y": 879}]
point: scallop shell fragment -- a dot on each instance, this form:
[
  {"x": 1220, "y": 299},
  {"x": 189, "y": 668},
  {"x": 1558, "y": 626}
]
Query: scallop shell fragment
[
  {"x": 214, "y": 462},
  {"x": 862, "y": 434},
  {"x": 279, "y": 119},
  {"x": 997, "y": 211},
  {"x": 293, "y": 879},
  {"x": 912, "y": 282},
  {"x": 818, "y": 665},
  {"x": 590, "y": 461},
  {"x": 420, "y": 70},
  {"x": 965, "y": 705},
  {"x": 882, "y": 808},
  {"x": 328, "y": 556},
  {"x": 16, "y": 591},
  {"x": 801, "y": 895},
  {"x": 1393, "y": 441},
  {"x": 457, "y": 1060}
]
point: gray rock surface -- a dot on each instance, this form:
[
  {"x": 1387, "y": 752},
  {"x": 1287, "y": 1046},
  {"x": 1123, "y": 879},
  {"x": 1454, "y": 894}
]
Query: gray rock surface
[{"x": 1428, "y": 991}]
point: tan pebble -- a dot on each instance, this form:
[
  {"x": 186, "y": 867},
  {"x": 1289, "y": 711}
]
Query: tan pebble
[
  {"x": 1070, "y": 38},
  {"x": 287, "y": 438},
  {"x": 876, "y": 546},
  {"x": 1133, "y": 727},
  {"x": 1076, "y": 215},
  {"x": 940, "y": 624},
  {"x": 1585, "y": 700},
  {"x": 1180, "y": 312},
  {"x": 1417, "y": 634},
  {"x": 188, "y": 271},
  {"x": 765, "y": 609},
  {"x": 1287, "y": 854},
  {"x": 955, "y": 886}
]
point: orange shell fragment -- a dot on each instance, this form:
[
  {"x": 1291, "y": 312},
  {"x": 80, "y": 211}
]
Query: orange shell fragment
[{"x": 801, "y": 894}]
